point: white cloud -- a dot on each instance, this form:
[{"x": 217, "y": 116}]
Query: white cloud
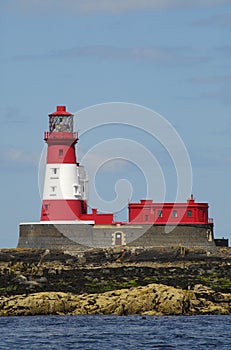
[
  {"x": 170, "y": 56},
  {"x": 161, "y": 55},
  {"x": 13, "y": 156},
  {"x": 99, "y": 161},
  {"x": 80, "y": 7}
]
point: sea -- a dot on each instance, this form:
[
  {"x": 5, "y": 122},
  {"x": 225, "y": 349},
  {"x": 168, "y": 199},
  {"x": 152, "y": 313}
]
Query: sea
[{"x": 115, "y": 332}]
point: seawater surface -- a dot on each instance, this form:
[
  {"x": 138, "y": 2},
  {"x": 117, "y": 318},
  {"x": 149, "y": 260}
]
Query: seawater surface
[{"x": 115, "y": 332}]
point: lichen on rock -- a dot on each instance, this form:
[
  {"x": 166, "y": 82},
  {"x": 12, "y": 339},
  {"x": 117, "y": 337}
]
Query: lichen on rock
[{"x": 154, "y": 299}]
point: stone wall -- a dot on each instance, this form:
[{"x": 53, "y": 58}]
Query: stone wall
[
  {"x": 184, "y": 235},
  {"x": 82, "y": 237},
  {"x": 45, "y": 236}
]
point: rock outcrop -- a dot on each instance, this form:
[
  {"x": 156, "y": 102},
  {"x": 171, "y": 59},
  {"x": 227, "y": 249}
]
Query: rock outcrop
[
  {"x": 29, "y": 271},
  {"x": 118, "y": 281},
  {"x": 154, "y": 299}
]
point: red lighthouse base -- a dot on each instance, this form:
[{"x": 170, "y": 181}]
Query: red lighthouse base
[{"x": 63, "y": 210}]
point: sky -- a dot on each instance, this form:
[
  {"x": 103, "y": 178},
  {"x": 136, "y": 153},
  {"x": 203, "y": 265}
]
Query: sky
[{"x": 170, "y": 56}]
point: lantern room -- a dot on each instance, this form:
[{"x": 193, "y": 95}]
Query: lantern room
[{"x": 61, "y": 120}]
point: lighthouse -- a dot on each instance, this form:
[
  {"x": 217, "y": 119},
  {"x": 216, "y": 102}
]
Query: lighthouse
[
  {"x": 64, "y": 194},
  {"x": 66, "y": 224}
]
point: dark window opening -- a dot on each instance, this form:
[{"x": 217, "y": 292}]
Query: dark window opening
[
  {"x": 75, "y": 189},
  {"x": 160, "y": 214},
  {"x": 46, "y": 207},
  {"x": 189, "y": 213},
  {"x": 174, "y": 213},
  {"x": 146, "y": 217},
  {"x": 60, "y": 152}
]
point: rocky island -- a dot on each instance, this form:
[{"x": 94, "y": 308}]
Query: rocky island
[{"x": 145, "y": 281}]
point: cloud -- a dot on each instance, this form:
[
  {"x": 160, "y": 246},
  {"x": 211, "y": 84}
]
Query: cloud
[
  {"x": 217, "y": 87},
  {"x": 80, "y": 7},
  {"x": 16, "y": 158},
  {"x": 211, "y": 80},
  {"x": 225, "y": 50},
  {"x": 162, "y": 55},
  {"x": 223, "y": 19},
  {"x": 12, "y": 115},
  {"x": 208, "y": 159},
  {"x": 93, "y": 161},
  {"x": 170, "y": 56}
]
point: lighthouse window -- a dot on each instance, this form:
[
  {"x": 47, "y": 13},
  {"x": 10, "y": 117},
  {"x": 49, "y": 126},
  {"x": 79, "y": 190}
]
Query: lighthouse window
[
  {"x": 54, "y": 173},
  {"x": 53, "y": 188},
  {"x": 160, "y": 214},
  {"x": 46, "y": 207},
  {"x": 174, "y": 213},
  {"x": 189, "y": 213},
  {"x": 60, "y": 152},
  {"x": 146, "y": 217}
]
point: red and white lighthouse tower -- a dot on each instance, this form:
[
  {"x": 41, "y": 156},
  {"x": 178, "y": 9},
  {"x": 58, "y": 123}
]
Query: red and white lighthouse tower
[{"x": 64, "y": 195}]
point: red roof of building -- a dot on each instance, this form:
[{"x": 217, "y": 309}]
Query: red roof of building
[{"x": 61, "y": 110}]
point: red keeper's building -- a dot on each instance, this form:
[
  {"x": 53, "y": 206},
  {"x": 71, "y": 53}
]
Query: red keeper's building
[{"x": 147, "y": 212}]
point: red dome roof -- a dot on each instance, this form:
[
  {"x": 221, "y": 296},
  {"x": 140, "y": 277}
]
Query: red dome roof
[{"x": 61, "y": 110}]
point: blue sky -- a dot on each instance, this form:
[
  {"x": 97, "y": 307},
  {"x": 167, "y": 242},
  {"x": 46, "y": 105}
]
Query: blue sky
[{"x": 172, "y": 56}]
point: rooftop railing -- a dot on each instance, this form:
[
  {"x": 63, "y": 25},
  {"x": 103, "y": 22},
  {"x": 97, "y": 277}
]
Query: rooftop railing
[{"x": 60, "y": 135}]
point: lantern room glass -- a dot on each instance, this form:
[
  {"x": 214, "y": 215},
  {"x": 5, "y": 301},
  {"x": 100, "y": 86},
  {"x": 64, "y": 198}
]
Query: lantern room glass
[{"x": 61, "y": 123}]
